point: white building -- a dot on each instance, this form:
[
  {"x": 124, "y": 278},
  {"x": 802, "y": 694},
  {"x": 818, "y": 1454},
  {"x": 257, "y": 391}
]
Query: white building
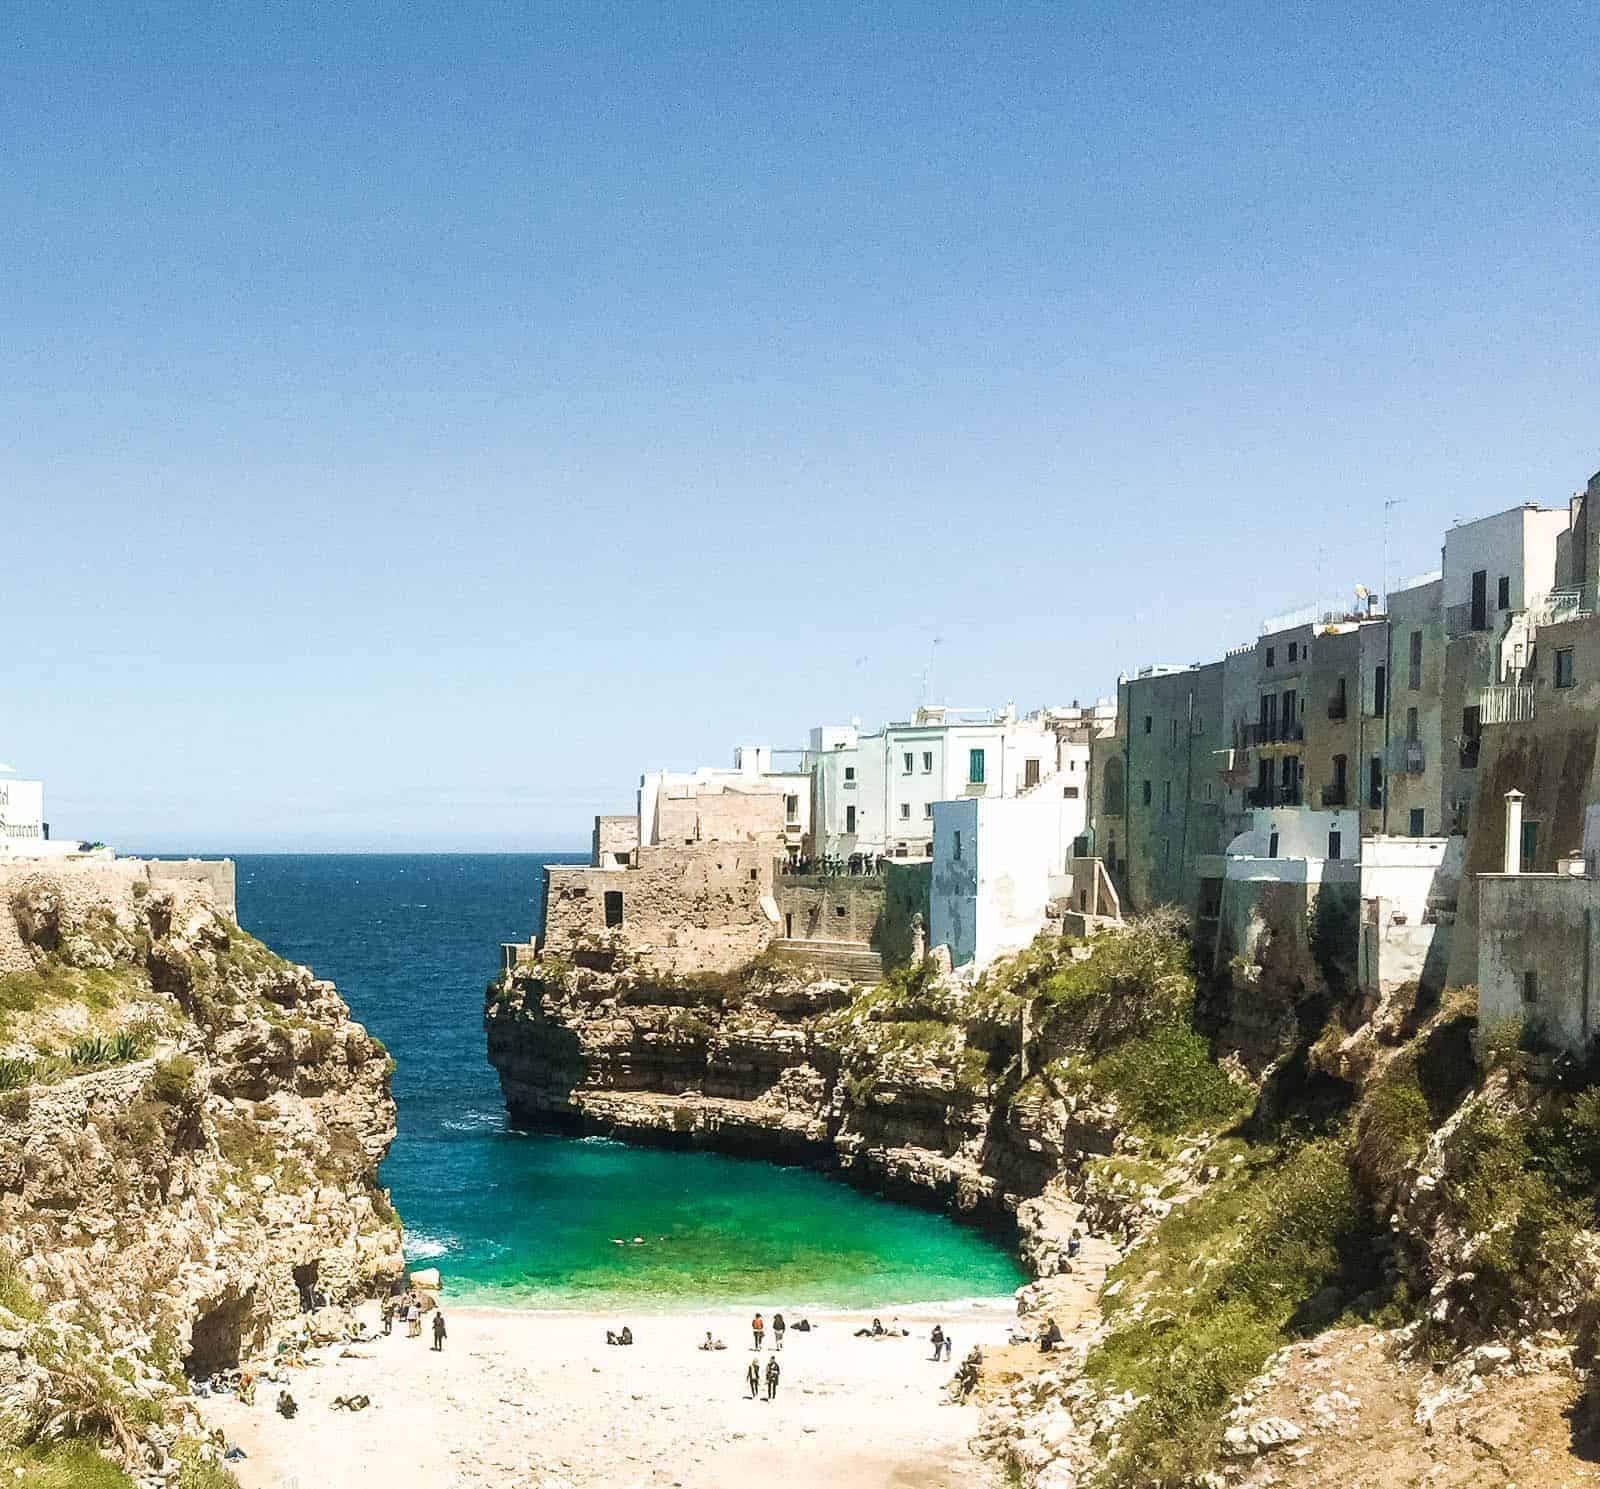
[
  {"x": 875, "y": 793},
  {"x": 715, "y": 790},
  {"x": 23, "y": 831},
  {"x": 997, "y": 865}
]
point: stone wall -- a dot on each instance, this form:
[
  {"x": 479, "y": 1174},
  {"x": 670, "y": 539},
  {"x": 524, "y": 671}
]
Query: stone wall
[
  {"x": 831, "y": 907},
  {"x": 615, "y": 839},
  {"x": 82, "y": 885},
  {"x": 906, "y": 895},
  {"x": 721, "y": 817},
  {"x": 1547, "y": 925},
  {"x": 703, "y": 899}
]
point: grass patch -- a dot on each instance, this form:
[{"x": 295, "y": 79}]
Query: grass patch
[
  {"x": 1275, "y": 1249},
  {"x": 66, "y": 1465},
  {"x": 1165, "y": 1082}
]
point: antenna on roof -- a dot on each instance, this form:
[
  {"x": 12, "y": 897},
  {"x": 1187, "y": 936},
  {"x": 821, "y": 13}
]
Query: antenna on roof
[{"x": 927, "y": 675}]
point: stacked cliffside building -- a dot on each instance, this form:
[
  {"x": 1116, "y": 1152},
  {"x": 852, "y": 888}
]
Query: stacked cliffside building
[{"x": 1345, "y": 778}]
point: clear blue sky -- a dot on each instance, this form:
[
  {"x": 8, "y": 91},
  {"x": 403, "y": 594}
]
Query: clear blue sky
[{"x": 420, "y": 419}]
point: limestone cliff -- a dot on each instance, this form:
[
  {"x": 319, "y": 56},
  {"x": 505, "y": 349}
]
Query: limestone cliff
[
  {"x": 189, "y": 1134},
  {"x": 1328, "y": 1190}
]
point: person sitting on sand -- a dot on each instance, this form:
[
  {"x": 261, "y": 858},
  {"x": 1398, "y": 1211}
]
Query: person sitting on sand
[
  {"x": 709, "y": 1343},
  {"x": 626, "y": 1336},
  {"x": 1050, "y": 1337},
  {"x": 803, "y": 1327},
  {"x": 778, "y": 1326},
  {"x": 752, "y": 1377},
  {"x": 875, "y": 1332}
]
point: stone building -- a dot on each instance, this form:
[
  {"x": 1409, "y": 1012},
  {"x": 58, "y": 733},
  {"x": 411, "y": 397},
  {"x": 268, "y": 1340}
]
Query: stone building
[{"x": 757, "y": 798}]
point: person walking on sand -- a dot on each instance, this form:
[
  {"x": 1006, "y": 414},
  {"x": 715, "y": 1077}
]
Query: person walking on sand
[
  {"x": 387, "y": 1312},
  {"x": 772, "y": 1376},
  {"x": 438, "y": 1331},
  {"x": 758, "y": 1329},
  {"x": 778, "y": 1327},
  {"x": 938, "y": 1341},
  {"x": 752, "y": 1378}
]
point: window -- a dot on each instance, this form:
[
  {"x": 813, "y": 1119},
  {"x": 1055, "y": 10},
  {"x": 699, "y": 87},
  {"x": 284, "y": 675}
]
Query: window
[
  {"x": 850, "y": 818},
  {"x": 791, "y": 809},
  {"x": 1166, "y": 796},
  {"x": 1411, "y": 726},
  {"x": 1564, "y": 672},
  {"x": 1414, "y": 681},
  {"x": 1272, "y": 844},
  {"x": 1341, "y": 772},
  {"x": 1416, "y": 822},
  {"x": 1502, "y": 596},
  {"x": 613, "y": 907},
  {"x": 1480, "y": 600},
  {"x": 1147, "y": 793},
  {"x": 1174, "y": 732},
  {"x": 1149, "y": 723},
  {"x": 957, "y": 851},
  {"x": 905, "y": 811},
  {"x": 1471, "y": 727},
  {"x": 1530, "y": 846},
  {"x": 907, "y": 758},
  {"x": 975, "y": 767},
  {"x": 849, "y": 772},
  {"x": 1070, "y": 793},
  {"x": 1030, "y": 773},
  {"x": 1271, "y": 655},
  {"x": 1335, "y": 844},
  {"x": 927, "y": 810},
  {"x": 1294, "y": 651},
  {"x": 1375, "y": 781},
  {"x": 1380, "y": 691},
  {"x": 927, "y": 762},
  {"x": 1530, "y": 987}
]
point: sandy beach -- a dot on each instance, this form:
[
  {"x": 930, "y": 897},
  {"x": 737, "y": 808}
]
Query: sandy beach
[{"x": 540, "y": 1401}]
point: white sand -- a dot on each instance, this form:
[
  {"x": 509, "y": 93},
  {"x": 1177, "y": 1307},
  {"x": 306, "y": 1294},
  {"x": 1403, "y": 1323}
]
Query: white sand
[{"x": 539, "y": 1401}]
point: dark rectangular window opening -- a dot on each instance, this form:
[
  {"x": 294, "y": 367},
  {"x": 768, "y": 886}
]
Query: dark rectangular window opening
[
  {"x": 1375, "y": 782},
  {"x": 1416, "y": 822},
  {"x": 1502, "y": 596},
  {"x": 1272, "y": 845},
  {"x": 975, "y": 767},
  {"x": 1380, "y": 691},
  {"x": 1271, "y": 655},
  {"x": 613, "y": 908},
  {"x": 1480, "y": 600},
  {"x": 1530, "y": 846},
  {"x": 1530, "y": 987},
  {"x": 1335, "y": 843},
  {"x": 1564, "y": 669},
  {"x": 1147, "y": 793},
  {"x": 1415, "y": 679}
]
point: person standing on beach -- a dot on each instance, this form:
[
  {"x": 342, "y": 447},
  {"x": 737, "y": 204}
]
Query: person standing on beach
[
  {"x": 949, "y": 1344},
  {"x": 938, "y": 1341},
  {"x": 772, "y": 1376},
  {"x": 752, "y": 1378},
  {"x": 758, "y": 1329},
  {"x": 438, "y": 1331},
  {"x": 778, "y": 1326}
]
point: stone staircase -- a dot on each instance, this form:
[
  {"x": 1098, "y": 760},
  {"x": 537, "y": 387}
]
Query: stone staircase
[{"x": 849, "y": 961}]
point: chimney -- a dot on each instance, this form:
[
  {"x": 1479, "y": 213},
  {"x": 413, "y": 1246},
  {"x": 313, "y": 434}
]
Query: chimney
[{"x": 1513, "y": 863}]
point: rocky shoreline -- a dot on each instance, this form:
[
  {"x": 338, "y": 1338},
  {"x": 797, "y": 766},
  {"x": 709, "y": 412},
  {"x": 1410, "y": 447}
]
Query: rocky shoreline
[{"x": 188, "y": 1158}]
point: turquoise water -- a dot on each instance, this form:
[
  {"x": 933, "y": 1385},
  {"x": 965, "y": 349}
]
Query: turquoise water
[{"x": 523, "y": 1220}]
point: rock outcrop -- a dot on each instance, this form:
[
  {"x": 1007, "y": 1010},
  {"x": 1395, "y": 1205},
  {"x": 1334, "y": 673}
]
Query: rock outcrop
[{"x": 190, "y": 1129}]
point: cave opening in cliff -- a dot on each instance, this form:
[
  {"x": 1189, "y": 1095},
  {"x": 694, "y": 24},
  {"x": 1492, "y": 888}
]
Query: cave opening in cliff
[
  {"x": 305, "y": 1281},
  {"x": 217, "y": 1338}
]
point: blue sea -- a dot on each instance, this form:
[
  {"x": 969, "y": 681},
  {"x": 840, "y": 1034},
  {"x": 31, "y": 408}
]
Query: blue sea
[{"x": 533, "y": 1221}]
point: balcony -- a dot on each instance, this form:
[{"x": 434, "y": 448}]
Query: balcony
[
  {"x": 1273, "y": 796},
  {"x": 1273, "y": 732},
  {"x": 1407, "y": 757},
  {"x": 1338, "y": 707},
  {"x": 1506, "y": 703},
  {"x": 1335, "y": 796}
]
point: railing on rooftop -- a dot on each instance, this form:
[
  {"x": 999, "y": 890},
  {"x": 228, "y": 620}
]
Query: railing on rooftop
[
  {"x": 1274, "y": 731},
  {"x": 856, "y": 866},
  {"x": 1557, "y": 606}
]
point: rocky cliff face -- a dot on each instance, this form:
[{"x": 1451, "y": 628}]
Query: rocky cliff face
[
  {"x": 1351, "y": 1181},
  {"x": 189, "y": 1134}
]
